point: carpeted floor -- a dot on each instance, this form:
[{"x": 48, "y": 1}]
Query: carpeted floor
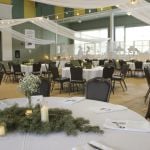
[{"x": 133, "y": 98}]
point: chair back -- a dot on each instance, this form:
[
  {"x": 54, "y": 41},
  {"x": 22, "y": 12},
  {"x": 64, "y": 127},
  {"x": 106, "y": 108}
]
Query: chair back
[
  {"x": 55, "y": 73},
  {"x": 2, "y": 68},
  {"x": 1, "y": 77},
  {"x": 36, "y": 67},
  {"x": 147, "y": 75},
  {"x": 101, "y": 62},
  {"x": 44, "y": 88},
  {"x": 76, "y": 73},
  {"x": 16, "y": 68},
  {"x": 138, "y": 64},
  {"x": 98, "y": 89},
  {"x": 124, "y": 69},
  {"x": 121, "y": 62},
  {"x": 108, "y": 72}
]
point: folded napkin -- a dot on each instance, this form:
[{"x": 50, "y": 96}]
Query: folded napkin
[
  {"x": 73, "y": 100},
  {"x": 128, "y": 125},
  {"x": 93, "y": 145},
  {"x": 37, "y": 99},
  {"x": 108, "y": 108}
]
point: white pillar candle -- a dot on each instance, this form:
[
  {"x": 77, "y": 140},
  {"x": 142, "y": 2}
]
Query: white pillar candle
[
  {"x": 44, "y": 114},
  {"x": 2, "y": 130}
]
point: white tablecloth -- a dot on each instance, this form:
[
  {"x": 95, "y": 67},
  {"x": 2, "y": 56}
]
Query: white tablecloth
[
  {"x": 118, "y": 140},
  {"x": 132, "y": 65},
  {"x": 27, "y": 69},
  {"x": 87, "y": 73}
]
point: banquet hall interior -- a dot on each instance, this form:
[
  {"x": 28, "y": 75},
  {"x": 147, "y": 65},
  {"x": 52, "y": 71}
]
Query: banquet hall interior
[{"x": 77, "y": 49}]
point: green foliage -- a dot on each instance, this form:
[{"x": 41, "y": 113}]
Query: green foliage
[{"x": 59, "y": 120}]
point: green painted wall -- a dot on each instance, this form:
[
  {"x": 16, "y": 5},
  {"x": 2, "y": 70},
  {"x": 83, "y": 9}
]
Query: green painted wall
[
  {"x": 127, "y": 21},
  {"x": 50, "y": 50},
  {"x": 44, "y": 10},
  {"x": 40, "y": 50},
  {"x": 18, "y": 9}
]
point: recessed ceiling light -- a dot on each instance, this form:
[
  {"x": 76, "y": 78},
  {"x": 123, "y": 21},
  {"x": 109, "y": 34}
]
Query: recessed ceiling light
[
  {"x": 57, "y": 17},
  {"x": 77, "y": 14}
]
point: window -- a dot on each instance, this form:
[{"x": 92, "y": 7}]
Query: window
[{"x": 89, "y": 48}]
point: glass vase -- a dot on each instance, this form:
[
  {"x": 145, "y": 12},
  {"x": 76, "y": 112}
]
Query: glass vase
[{"x": 29, "y": 100}]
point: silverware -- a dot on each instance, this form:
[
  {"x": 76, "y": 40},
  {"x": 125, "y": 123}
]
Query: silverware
[{"x": 95, "y": 147}]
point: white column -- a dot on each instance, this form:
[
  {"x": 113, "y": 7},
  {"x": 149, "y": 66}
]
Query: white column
[
  {"x": 6, "y": 46},
  {"x": 112, "y": 27},
  {"x": 6, "y": 13},
  {"x": 111, "y": 42}
]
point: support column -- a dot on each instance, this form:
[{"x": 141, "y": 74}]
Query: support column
[
  {"x": 111, "y": 34},
  {"x": 6, "y": 13}
]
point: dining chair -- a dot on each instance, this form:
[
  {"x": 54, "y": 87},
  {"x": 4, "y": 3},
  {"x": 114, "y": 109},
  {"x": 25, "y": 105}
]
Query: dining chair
[
  {"x": 17, "y": 71},
  {"x": 76, "y": 78},
  {"x": 98, "y": 89},
  {"x": 1, "y": 76},
  {"x": 44, "y": 87},
  {"x": 121, "y": 77},
  {"x": 8, "y": 74},
  {"x": 108, "y": 73},
  {"x": 147, "y": 76},
  {"x": 101, "y": 62},
  {"x": 36, "y": 68},
  {"x": 57, "y": 78},
  {"x": 147, "y": 116},
  {"x": 138, "y": 67}
]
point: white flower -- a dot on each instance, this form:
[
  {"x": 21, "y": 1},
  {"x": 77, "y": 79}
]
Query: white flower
[{"x": 29, "y": 84}]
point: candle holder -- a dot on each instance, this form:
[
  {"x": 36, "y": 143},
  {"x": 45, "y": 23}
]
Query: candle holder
[
  {"x": 2, "y": 129},
  {"x": 44, "y": 112},
  {"x": 28, "y": 112}
]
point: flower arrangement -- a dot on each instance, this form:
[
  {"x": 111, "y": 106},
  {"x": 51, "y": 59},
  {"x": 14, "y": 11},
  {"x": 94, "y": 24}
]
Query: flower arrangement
[{"x": 29, "y": 85}]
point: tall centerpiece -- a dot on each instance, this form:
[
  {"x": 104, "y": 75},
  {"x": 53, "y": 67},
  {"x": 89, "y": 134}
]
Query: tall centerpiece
[{"x": 29, "y": 85}]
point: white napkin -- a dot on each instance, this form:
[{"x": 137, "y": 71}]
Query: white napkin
[
  {"x": 36, "y": 99},
  {"x": 128, "y": 125},
  {"x": 73, "y": 100},
  {"x": 108, "y": 108}
]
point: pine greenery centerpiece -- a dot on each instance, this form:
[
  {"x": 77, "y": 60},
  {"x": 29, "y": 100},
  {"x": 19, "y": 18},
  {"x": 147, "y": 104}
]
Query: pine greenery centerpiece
[
  {"x": 60, "y": 120},
  {"x": 29, "y": 85}
]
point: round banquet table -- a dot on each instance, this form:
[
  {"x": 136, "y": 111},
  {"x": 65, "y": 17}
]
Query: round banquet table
[
  {"x": 116, "y": 139},
  {"x": 87, "y": 73}
]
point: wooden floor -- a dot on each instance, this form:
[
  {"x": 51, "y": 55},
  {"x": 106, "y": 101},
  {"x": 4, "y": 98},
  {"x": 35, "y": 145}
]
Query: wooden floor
[{"x": 133, "y": 98}]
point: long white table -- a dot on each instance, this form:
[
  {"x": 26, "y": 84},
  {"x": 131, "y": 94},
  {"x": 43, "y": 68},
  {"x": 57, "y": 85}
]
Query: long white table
[
  {"x": 87, "y": 73},
  {"x": 118, "y": 140},
  {"x": 27, "y": 69},
  {"x": 132, "y": 65}
]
